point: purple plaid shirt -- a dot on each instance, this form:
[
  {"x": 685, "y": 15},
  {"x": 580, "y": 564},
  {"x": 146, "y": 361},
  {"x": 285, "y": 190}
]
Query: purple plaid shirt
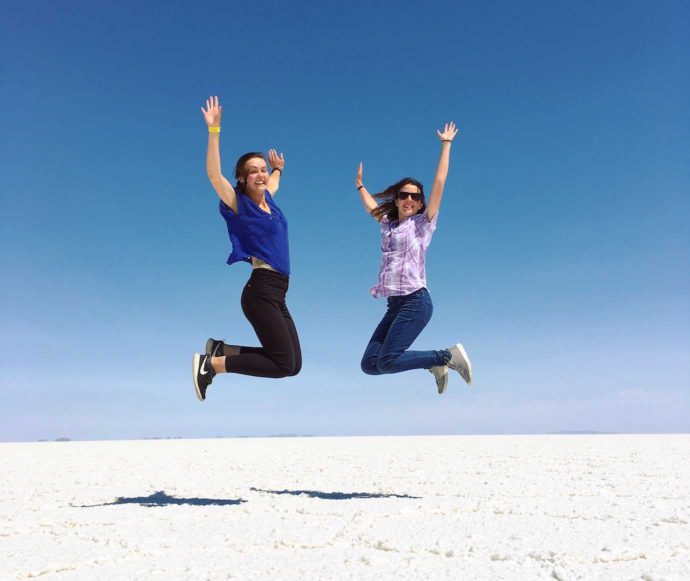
[{"x": 404, "y": 247}]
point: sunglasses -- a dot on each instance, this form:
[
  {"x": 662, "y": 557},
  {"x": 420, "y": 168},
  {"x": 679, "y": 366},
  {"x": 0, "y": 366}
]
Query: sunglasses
[{"x": 416, "y": 196}]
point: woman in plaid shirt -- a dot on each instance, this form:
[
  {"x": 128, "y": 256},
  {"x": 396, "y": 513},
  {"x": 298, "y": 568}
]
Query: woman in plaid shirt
[{"x": 407, "y": 225}]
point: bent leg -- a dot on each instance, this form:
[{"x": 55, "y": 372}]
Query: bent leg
[
  {"x": 412, "y": 316},
  {"x": 263, "y": 305}
]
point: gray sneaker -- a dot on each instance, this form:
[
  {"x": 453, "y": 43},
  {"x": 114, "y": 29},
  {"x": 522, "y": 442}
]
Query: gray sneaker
[
  {"x": 460, "y": 362},
  {"x": 214, "y": 347},
  {"x": 440, "y": 373}
]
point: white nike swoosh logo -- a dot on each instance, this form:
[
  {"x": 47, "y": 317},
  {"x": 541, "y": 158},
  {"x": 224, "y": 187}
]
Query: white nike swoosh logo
[{"x": 201, "y": 368}]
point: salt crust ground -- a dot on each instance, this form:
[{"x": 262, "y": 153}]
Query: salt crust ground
[{"x": 504, "y": 507}]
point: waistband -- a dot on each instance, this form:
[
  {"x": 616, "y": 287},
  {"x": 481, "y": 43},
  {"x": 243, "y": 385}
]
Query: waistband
[
  {"x": 414, "y": 294},
  {"x": 267, "y": 274}
]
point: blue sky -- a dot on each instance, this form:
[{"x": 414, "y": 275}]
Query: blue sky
[{"x": 561, "y": 258}]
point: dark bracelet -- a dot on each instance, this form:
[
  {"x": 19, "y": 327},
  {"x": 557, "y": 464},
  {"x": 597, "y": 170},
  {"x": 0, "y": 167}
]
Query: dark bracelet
[
  {"x": 360, "y": 187},
  {"x": 446, "y": 141},
  {"x": 279, "y": 170}
]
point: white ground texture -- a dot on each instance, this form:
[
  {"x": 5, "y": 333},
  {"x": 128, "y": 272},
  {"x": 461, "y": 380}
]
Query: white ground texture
[{"x": 459, "y": 507}]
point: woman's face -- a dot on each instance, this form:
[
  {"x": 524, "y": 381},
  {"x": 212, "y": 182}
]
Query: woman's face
[
  {"x": 407, "y": 207},
  {"x": 257, "y": 175}
]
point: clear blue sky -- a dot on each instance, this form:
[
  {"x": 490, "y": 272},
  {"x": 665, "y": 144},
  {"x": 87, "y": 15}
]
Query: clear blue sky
[{"x": 561, "y": 258}]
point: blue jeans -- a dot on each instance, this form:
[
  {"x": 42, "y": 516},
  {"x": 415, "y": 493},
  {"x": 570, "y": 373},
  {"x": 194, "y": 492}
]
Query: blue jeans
[{"x": 404, "y": 320}]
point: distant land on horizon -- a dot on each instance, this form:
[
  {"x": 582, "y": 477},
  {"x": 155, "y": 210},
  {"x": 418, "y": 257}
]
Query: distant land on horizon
[{"x": 556, "y": 433}]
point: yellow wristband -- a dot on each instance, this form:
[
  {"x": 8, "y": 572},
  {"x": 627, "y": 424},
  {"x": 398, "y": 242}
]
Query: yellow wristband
[{"x": 214, "y": 129}]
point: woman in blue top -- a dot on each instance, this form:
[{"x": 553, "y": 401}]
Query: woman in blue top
[{"x": 259, "y": 235}]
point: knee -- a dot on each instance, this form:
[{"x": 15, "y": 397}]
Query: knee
[
  {"x": 288, "y": 368},
  {"x": 370, "y": 366},
  {"x": 385, "y": 364}
]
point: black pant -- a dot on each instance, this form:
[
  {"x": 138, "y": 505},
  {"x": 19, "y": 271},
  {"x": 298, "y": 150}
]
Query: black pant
[{"x": 263, "y": 303}]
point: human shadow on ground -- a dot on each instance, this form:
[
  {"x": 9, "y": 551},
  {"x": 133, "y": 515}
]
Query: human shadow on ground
[
  {"x": 160, "y": 498},
  {"x": 334, "y": 495}
]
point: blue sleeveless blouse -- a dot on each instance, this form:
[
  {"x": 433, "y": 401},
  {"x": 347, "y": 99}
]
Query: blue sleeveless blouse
[{"x": 254, "y": 232}]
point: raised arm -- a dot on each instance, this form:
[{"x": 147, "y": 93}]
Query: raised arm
[
  {"x": 446, "y": 136},
  {"x": 277, "y": 164},
  {"x": 367, "y": 199},
  {"x": 212, "y": 114}
]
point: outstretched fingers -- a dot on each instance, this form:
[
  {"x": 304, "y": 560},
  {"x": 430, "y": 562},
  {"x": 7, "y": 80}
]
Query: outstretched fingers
[
  {"x": 449, "y": 132},
  {"x": 213, "y": 111},
  {"x": 276, "y": 161},
  {"x": 211, "y": 102}
]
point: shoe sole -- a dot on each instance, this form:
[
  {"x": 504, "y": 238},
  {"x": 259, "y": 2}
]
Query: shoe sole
[
  {"x": 442, "y": 388},
  {"x": 196, "y": 362},
  {"x": 467, "y": 361}
]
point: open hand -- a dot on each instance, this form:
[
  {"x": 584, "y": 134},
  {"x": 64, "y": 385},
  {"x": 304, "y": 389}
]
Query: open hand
[
  {"x": 213, "y": 112},
  {"x": 276, "y": 161},
  {"x": 358, "y": 179},
  {"x": 449, "y": 132}
]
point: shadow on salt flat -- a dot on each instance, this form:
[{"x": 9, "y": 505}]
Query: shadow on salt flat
[
  {"x": 334, "y": 495},
  {"x": 160, "y": 498}
]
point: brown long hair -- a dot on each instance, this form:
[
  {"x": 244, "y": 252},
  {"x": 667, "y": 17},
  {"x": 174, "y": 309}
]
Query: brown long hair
[
  {"x": 241, "y": 170},
  {"x": 387, "y": 205}
]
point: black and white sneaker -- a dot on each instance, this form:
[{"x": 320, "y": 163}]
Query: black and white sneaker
[
  {"x": 214, "y": 348},
  {"x": 203, "y": 373},
  {"x": 460, "y": 362}
]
